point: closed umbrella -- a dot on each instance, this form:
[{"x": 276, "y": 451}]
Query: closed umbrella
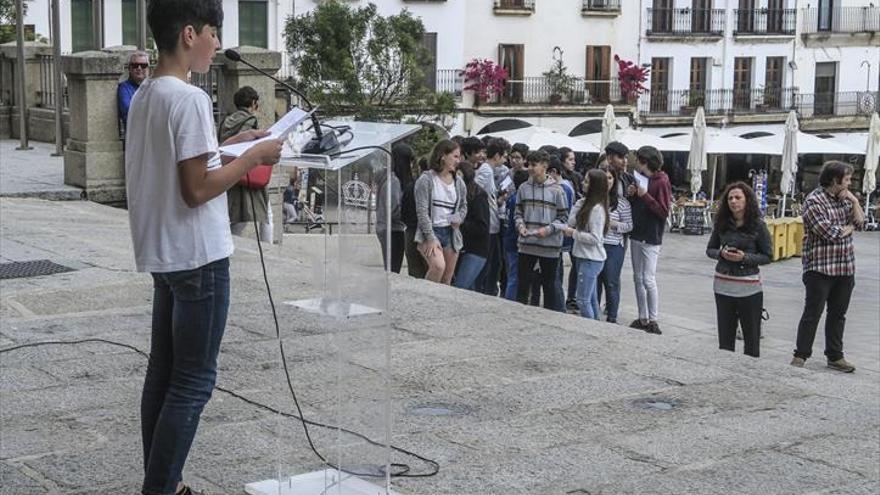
[
  {"x": 872, "y": 156},
  {"x": 789, "y": 157},
  {"x": 609, "y": 127},
  {"x": 697, "y": 156}
]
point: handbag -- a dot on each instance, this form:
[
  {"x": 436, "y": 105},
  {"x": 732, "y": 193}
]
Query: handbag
[{"x": 257, "y": 178}]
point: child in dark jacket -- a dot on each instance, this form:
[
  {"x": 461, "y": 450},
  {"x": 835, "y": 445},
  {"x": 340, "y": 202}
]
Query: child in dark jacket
[
  {"x": 474, "y": 231},
  {"x": 650, "y": 208}
]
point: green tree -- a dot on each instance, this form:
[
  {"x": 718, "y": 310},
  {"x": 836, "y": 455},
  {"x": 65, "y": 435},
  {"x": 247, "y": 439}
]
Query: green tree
[
  {"x": 8, "y": 19},
  {"x": 353, "y": 60}
]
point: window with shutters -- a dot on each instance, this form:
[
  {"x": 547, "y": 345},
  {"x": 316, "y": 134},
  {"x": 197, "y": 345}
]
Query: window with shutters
[
  {"x": 598, "y": 74},
  {"x": 511, "y": 58},
  {"x": 660, "y": 84}
]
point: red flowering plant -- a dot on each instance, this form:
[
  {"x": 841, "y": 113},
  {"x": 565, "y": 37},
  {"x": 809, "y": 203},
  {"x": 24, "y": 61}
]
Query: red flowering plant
[
  {"x": 485, "y": 78},
  {"x": 631, "y": 78}
]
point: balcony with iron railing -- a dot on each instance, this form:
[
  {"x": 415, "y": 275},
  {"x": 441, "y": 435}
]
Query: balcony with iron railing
[
  {"x": 842, "y": 104},
  {"x": 685, "y": 23},
  {"x": 846, "y": 20},
  {"x": 717, "y": 101},
  {"x": 538, "y": 91},
  {"x": 514, "y": 7},
  {"x": 763, "y": 22},
  {"x": 601, "y": 8}
]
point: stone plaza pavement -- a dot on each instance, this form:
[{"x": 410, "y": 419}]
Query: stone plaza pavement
[{"x": 542, "y": 403}]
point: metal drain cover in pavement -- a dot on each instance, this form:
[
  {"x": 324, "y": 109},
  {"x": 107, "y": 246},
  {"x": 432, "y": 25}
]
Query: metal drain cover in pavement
[
  {"x": 438, "y": 409},
  {"x": 657, "y": 403},
  {"x": 26, "y": 269}
]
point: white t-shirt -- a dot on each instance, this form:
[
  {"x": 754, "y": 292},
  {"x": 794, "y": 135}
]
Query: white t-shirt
[
  {"x": 170, "y": 121},
  {"x": 443, "y": 202}
]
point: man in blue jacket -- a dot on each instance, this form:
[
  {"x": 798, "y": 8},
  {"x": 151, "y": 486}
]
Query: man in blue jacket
[{"x": 138, "y": 70}]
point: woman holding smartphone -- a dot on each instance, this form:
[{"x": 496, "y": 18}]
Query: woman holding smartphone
[{"x": 740, "y": 242}]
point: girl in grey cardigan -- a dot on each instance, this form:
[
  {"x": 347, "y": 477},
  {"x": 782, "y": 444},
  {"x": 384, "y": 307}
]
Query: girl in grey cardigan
[
  {"x": 588, "y": 224},
  {"x": 441, "y": 205}
]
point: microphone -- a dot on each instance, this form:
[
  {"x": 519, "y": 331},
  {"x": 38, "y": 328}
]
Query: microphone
[{"x": 321, "y": 143}]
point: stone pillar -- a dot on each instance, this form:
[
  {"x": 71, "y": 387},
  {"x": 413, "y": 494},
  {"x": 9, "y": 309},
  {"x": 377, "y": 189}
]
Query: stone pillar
[
  {"x": 32, "y": 51},
  {"x": 94, "y": 159},
  {"x": 237, "y": 75}
]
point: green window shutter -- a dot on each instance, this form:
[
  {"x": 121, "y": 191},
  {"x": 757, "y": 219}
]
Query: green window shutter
[{"x": 253, "y": 23}]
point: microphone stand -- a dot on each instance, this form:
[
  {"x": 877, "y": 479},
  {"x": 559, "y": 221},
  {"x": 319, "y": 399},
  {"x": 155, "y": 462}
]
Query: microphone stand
[{"x": 321, "y": 143}]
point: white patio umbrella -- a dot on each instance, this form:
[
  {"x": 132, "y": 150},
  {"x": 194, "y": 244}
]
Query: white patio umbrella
[
  {"x": 609, "y": 127},
  {"x": 789, "y": 157},
  {"x": 535, "y": 137},
  {"x": 634, "y": 140},
  {"x": 809, "y": 144},
  {"x": 697, "y": 156},
  {"x": 872, "y": 156}
]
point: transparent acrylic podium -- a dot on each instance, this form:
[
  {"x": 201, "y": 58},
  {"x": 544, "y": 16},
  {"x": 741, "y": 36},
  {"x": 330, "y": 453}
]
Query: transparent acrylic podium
[{"x": 349, "y": 310}]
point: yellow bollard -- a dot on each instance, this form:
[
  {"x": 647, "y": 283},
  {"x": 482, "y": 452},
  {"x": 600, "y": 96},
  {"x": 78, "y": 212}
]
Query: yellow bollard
[
  {"x": 778, "y": 238},
  {"x": 795, "y": 236}
]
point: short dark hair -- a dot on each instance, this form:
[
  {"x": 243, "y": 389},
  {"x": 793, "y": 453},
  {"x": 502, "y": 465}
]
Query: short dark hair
[
  {"x": 245, "y": 97},
  {"x": 651, "y": 156},
  {"x": 495, "y": 147},
  {"x": 521, "y": 148},
  {"x": 538, "y": 156},
  {"x": 471, "y": 145},
  {"x": 834, "y": 171},
  {"x": 555, "y": 164},
  {"x": 167, "y": 18}
]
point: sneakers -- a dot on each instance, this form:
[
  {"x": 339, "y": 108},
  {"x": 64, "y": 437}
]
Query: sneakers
[
  {"x": 637, "y": 324},
  {"x": 653, "y": 327},
  {"x": 841, "y": 365},
  {"x": 189, "y": 491},
  {"x": 798, "y": 362},
  {"x": 611, "y": 320}
]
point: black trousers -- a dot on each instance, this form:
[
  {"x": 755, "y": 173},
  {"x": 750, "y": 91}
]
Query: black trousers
[
  {"x": 398, "y": 241},
  {"x": 415, "y": 262},
  {"x": 527, "y": 276},
  {"x": 742, "y": 311},
  {"x": 822, "y": 290}
]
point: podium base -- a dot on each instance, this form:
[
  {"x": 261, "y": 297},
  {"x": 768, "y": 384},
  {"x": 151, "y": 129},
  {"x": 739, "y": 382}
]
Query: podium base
[
  {"x": 335, "y": 308},
  {"x": 317, "y": 483}
]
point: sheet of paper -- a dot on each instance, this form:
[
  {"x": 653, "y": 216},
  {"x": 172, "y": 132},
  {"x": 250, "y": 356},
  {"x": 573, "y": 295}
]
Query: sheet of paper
[
  {"x": 279, "y": 130},
  {"x": 641, "y": 180},
  {"x": 506, "y": 184}
]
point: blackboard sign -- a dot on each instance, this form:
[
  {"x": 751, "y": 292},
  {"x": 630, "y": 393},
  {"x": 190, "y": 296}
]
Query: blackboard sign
[{"x": 693, "y": 220}]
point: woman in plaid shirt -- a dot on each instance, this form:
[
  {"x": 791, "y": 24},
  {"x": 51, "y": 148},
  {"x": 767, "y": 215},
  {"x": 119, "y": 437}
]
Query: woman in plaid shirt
[{"x": 831, "y": 214}]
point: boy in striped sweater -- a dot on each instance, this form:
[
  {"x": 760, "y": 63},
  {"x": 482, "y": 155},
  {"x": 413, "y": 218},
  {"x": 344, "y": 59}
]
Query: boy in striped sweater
[{"x": 541, "y": 215}]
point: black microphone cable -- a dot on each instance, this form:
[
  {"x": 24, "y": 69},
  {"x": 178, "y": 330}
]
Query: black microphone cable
[{"x": 403, "y": 470}]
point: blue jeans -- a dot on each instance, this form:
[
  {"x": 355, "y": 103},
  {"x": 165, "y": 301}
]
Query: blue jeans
[
  {"x": 609, "y": 279},
  {"x": 444, "y": 236},
  {"x": 189, "y": 317},
  {"x": 469, "y": 266},
  {"x": 587, "y": 299},
  {"x": 512, "y": 258}
]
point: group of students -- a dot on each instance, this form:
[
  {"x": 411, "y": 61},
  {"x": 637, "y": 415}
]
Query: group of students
[
  {"x": 487, "y": 216},
  {"x": 476, "y": 203}
]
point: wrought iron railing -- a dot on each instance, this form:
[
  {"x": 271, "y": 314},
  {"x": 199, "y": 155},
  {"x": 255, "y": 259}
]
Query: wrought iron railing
[
  {"x": 684, "y": 22},
  {"x": 843, "y": 104},
  {"x": 765, "y": 21},
  {"x": 515, "y": 5},
  {"x": 450, "y": 81},
  {"x": 842, "y": 20},
  {"x": 717, "y": 101},
  {"x": 601, "y": 5},
  {"x": 47, "y": 83},
  {"x": 538, "y": 91}
]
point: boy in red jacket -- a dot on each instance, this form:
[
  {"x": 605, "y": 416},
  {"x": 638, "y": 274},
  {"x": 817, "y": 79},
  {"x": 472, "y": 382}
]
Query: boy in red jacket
[{"x": 650, "y": 207}]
